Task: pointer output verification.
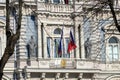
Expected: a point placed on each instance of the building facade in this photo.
(46, 24)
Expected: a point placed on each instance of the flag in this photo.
(60, 44)
(71, 44)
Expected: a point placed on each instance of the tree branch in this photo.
(110, 3)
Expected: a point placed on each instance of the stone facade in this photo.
(45, 20)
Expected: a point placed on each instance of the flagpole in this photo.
(74, 24)
(63, 51)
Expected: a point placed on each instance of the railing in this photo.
(62, 63)
(76, 64)
(55, 7)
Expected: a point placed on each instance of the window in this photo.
(53, 44)
(56, 1)
(113, 49)
(57, 31)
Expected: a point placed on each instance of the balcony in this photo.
(57, 8)
(77, 64)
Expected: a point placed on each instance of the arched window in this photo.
(57, 31)
(113, 40)
(113, 49)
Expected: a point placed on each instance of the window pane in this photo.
(110, 57)
(113, 40)
(110, 49)
(115, 57)
(66, 47)
(48, 47)
(56, 43)
(57, 31)
(56, 1)
(115, 49)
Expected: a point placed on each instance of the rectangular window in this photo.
(48, 47)
(56, 43)
(52, 47)
(116, 55)
(113, 53)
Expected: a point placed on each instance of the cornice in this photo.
(53, 14)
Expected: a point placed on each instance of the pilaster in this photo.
(82, 43)
(21, 45)
(44, 40)
(39, 41)
(77, 37)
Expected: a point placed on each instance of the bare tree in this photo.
(11, 39)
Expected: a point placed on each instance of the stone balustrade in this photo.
(74, 64)
(49, 7)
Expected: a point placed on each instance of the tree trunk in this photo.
(11, 38)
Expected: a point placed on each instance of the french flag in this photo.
(60, 45)
(71, 44)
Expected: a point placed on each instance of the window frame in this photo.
(112, 54)
(66, 39)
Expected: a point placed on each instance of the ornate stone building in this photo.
(47, 22)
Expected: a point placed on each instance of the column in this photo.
(94, 77)
(42, 40)
(39, 41)
(82, 43)
(79, 37)
(77, 41)
(22, 40)
(66, 75)
(45, 41)
(80, 76)
(28, 76)
(43, 76)
(57, 76)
